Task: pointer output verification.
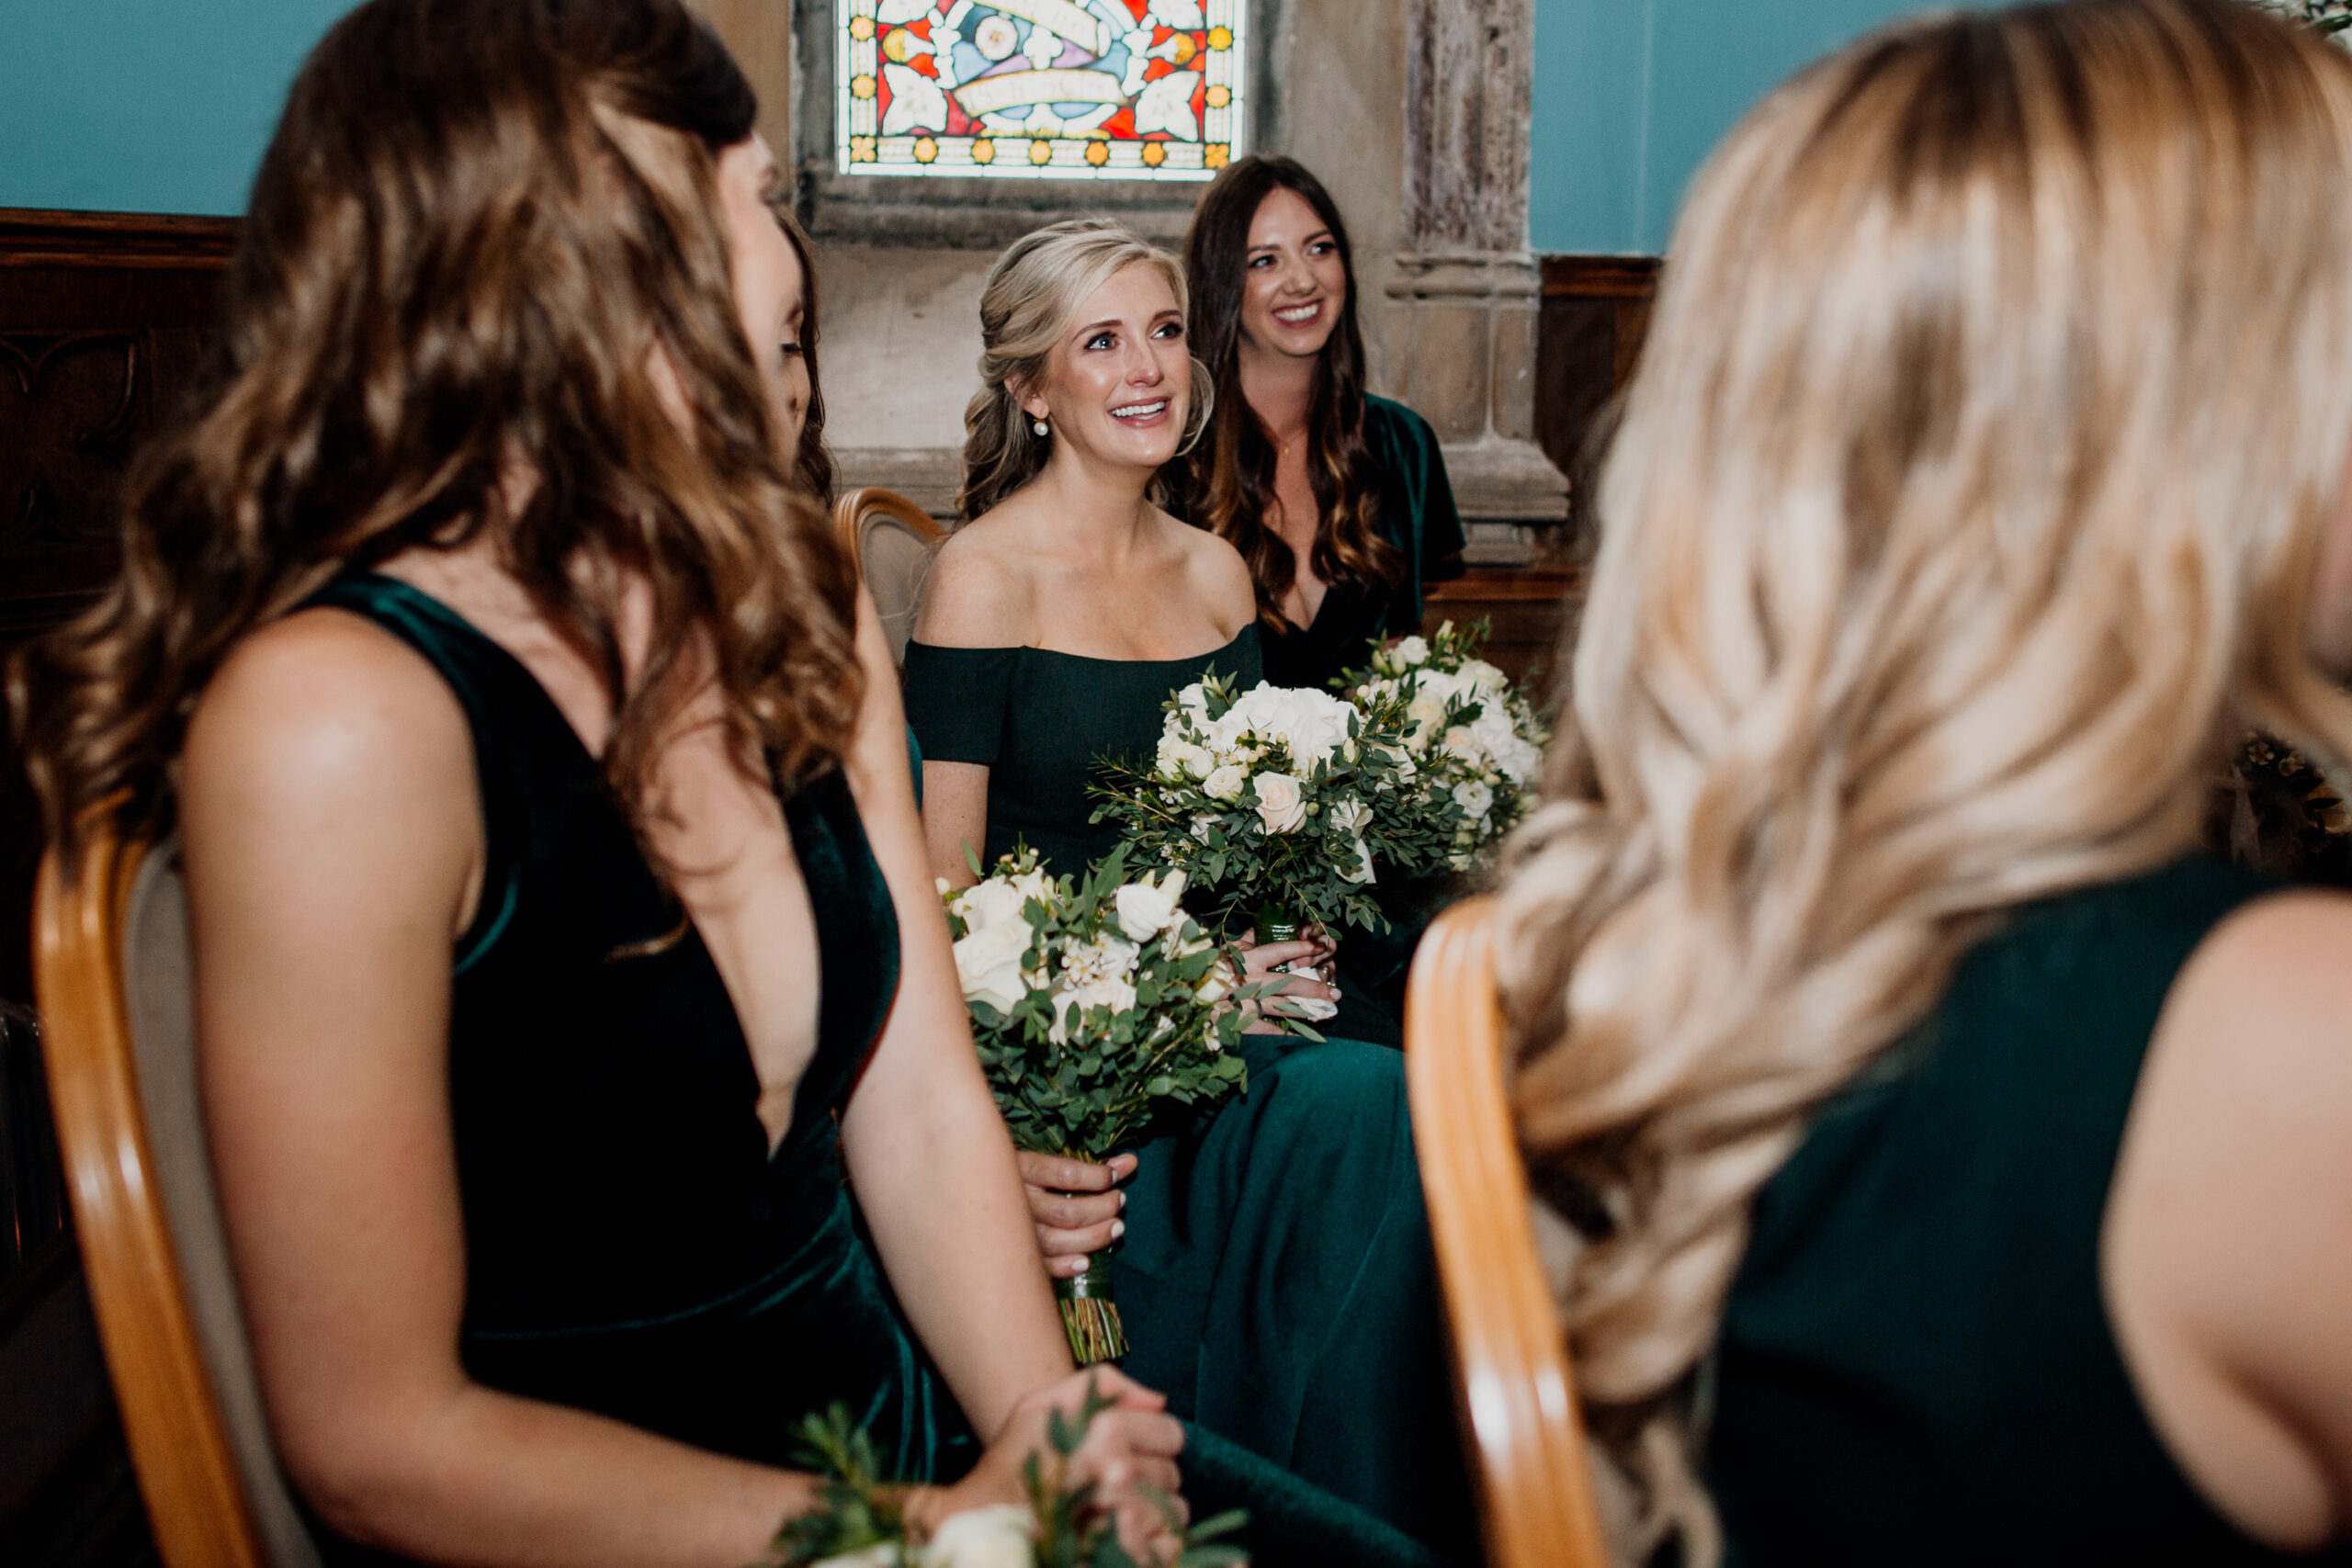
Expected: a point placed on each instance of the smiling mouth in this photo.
(1141, 411)
(1299, 315)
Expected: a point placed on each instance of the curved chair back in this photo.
(892, 541)
(112, 971)
(1535, 1498)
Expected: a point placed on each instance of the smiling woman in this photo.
(1273, 1264)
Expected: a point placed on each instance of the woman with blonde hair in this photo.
(584, 1074)
(1273, 1261)
(1955, 1164)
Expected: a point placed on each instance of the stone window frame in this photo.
(946, 213)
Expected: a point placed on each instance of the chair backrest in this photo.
(892, 541)
(112, 971)
(1535, 1484)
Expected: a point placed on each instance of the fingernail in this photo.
(1118, 1229)
(1123, 1202)
(1078, 1264)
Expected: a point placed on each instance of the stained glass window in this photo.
(1040, 89)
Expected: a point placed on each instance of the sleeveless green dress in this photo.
(632, 1246)
(1276, 1279)
(1916, 1364)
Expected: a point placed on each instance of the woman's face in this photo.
(1294, 283)
(769, 290)
(1119, 383)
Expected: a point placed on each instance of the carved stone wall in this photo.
(1413, 112)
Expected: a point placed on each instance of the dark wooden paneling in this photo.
(1526, 606)
(102, 319)
(1596, 311)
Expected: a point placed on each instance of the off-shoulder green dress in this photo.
(1276, 1279)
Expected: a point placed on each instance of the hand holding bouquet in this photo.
(1474, 739)
(1277, 802)
(1093, 1005)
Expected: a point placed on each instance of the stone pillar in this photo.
(1464, 350)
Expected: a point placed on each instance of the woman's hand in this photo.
(1075, 1206)
(1263, 965)
(1132, 1444)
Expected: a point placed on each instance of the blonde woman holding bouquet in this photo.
(1272, 1262)
(1980, 1148)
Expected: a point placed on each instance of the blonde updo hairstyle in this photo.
(1966, 506)
(1034, 293)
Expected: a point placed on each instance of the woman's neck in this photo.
(1100, 509)
(1280, 389)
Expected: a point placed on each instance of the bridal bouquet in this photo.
(1093, 1004)
(1474, 739)
(858, 1522)
(1279, 802)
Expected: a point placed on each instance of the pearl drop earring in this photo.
(1039, 425)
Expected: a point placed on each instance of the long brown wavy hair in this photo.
(1966, 510)
(812, 461)
(1231, 475)
(475, 223)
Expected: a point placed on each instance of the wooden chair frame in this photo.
(1518, 1401)
(187, 1470)
(854, 510)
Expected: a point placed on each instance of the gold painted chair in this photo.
(892, 541)
(1534, 1487)
(112, 972)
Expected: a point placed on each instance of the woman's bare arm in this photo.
(927, 1152)
(332, 841)
(2228, 1238)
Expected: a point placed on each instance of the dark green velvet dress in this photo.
(1418, 516)
(1917, 1364)
(1276, 1279)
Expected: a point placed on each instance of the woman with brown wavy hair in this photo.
(1337, 500)
(1956, 1163)
(562, 939)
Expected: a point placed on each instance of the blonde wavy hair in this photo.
(1032, 295)
(1967, 502)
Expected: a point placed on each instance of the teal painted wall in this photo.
(145, 105)
(1632, 94)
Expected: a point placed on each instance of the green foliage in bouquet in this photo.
(1099, 1003)
(1093, 1006)
(1474, 739)
(1277, 798)
(858, 1518)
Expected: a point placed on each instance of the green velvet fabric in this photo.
(1276, 1281)
(633, 1248)
(1416, 515)
(1917, 1364)
(1039, 720)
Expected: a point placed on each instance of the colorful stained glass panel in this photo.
(1040, 89)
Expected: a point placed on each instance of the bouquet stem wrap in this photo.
(1089, 1316)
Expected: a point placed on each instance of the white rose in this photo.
(1483, 677)
(990, 903)
(1224, 782)
(1145, 911)
(1203, 827)
(1281, 805)
(988, 964)
(1426, 712)
(882, 1555)
(1474, 799)
(1351, 816)
(995, 1537)
(1180, 758)
(1411, 651)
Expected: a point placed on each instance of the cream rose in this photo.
(988, 964)
(1145, 910)
(991, 903)
(1224, 782)
(994, 1537)
(1282, 805)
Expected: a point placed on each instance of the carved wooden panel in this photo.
(102, 320)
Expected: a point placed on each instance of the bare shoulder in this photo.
(1219, 575)
(978, 593)
(322, 708)
(2223, 1256)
